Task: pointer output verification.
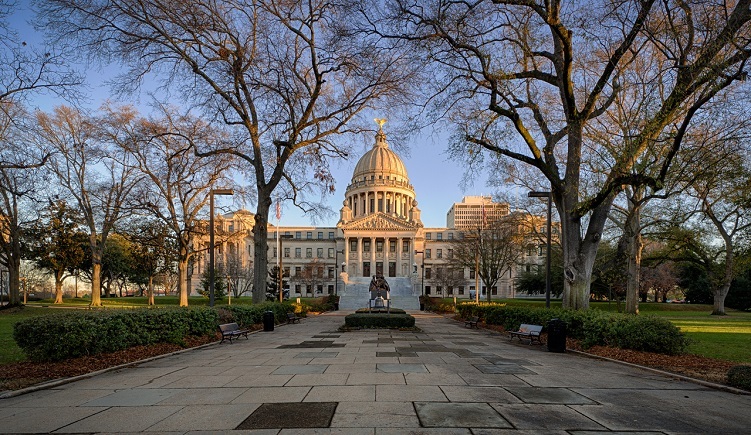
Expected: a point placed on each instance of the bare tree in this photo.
(285, 76)
(312, 275)
(491, 251)
(239, 273)
(179, 182)
(92, 171)
(523, 80)
(724, 200)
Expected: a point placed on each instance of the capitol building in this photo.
(379, 232)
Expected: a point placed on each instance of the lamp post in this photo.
(281, 268)
(548, 195)
(336, 275)
(213, 192)
(422, 274)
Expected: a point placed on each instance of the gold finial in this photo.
(380, 122)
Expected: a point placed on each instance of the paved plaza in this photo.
(309, 378)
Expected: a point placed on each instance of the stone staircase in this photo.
(356, 294)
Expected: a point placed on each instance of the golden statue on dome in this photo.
(380, 122)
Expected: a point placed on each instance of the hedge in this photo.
(591, 327)
(393, 321)
(69, 335)
(740, 377)
(247, 315)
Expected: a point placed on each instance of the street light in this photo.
(422, 275)
(549, 196)
(336, 275)
(281, 268)
(213, 192)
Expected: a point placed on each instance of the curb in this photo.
(703, 383)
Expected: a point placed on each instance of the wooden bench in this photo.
(532, 332)
(472, 322)
(232, 330)
(292, 318)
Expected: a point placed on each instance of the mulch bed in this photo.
(15, 376)
(693, 366)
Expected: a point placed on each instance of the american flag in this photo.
(278, 210)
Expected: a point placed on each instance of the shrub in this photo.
(592, 327)
(740, 377)
(392, 321)
(68, 335)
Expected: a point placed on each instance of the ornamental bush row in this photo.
(592, 327)
(365, 320)
(72, 334)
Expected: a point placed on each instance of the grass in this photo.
(9, 351)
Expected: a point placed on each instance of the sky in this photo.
(435, 178)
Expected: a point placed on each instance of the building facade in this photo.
(379, 232)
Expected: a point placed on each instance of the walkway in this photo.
(445, 380)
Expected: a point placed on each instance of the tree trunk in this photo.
(150, 290)
(260, 244)
(96, 284)
(718, 306)
(578, 261)
(14, 282)
(59, 287)
(182, 281)
(632, 232)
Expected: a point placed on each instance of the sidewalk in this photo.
(446, 379)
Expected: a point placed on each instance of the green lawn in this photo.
(9, 351)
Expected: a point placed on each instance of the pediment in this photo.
(379, 222)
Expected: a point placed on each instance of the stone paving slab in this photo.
(445, 380)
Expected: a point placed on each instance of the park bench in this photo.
(292, 318)
(472, 322)
(232, 330)
(532, 332)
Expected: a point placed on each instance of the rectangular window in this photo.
(405, 246)
(286, 252)
(319, 253)
(471, 274)
(439, 253)
(494, 290)
(286, 273)
(298, 235)
(331, 272)
(427, 236)
(451, 236)
(320, 234)
(450, 291)
(273, 255)
(379, 245)
(308, 252)
(298, 271)
(309, 235)
(427, 289)
(366, 245)
(392, 245)
(331, 289)
(353, 245)
(331, 235)
(298, 252)
(439, 236)
(438, 290)
(427, 272)
(298, 289)
(461, 290)
(451, 253)
(427, 253)
(331, 252)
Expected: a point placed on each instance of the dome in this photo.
(380, 160)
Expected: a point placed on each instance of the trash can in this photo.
(268, 321)
(556, 335)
